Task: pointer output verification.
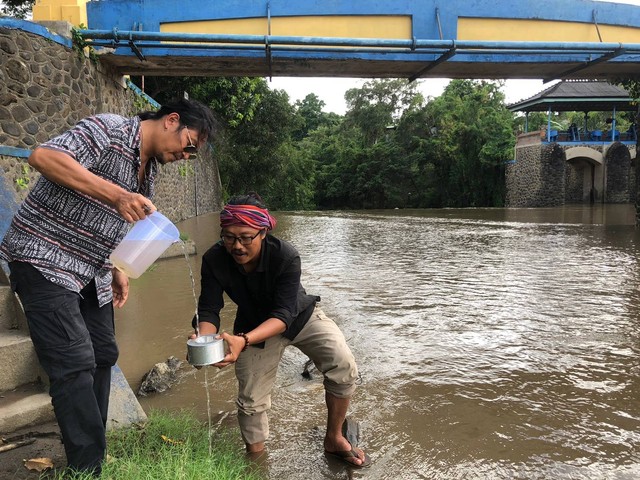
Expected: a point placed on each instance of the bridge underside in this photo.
(546, 39)
(197, 65)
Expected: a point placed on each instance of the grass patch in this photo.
(171, 446)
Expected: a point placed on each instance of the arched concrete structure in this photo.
(584, 153)
(585, 173)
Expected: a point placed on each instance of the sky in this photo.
(331, 90)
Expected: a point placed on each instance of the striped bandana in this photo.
(249, 215)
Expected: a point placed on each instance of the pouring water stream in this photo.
(206, 376)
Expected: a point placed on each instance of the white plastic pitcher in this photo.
(145, 242)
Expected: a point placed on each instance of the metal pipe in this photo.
(439, 25)
(319, 49)
(434, 64)
(595, 22)
(613, 125)
(357, 42)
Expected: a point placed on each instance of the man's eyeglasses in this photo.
(190, 149)
(230, 240)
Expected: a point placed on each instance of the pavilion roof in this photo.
(577, 96)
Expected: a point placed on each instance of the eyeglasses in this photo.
(190, 149)
(230, 240)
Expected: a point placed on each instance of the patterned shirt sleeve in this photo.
(83, 142)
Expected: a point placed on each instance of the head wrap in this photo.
(249, 215)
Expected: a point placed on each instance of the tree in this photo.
(234, 99)
(633, 87)
(16, 8)
(257, 123)
(251, 154)
(474, 138)
(311, 116)
(378, 105)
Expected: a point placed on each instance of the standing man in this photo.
(95, 179)
(261, 275)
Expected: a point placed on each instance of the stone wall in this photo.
(536, 178)
(618, 162)
(542, 177)
(523, 177)
(553, 162)
(46, 87)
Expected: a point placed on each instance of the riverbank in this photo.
(168, 446)
(47, 444)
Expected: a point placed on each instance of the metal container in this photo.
(205, 350)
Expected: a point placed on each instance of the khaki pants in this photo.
(256, 368)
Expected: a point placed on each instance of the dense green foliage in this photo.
(392, 149)
(16, 8)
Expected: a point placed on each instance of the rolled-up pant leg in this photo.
(63, 326)
(256, 371)
(324, 343)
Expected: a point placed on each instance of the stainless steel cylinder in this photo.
(205, 350)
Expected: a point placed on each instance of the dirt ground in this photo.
(47, 444)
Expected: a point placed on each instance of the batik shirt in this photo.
(66, 235)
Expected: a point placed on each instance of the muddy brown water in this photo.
(492, 343)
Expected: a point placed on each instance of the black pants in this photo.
(75, 343)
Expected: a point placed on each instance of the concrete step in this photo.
(11, 313)
(23, 406)
(8, 317)
(30, 404)
(19, 364)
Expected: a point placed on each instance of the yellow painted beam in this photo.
(348, 26)
(72, 11)
(504, 30)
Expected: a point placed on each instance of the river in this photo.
(491, 343)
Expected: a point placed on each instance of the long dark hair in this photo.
(192, 113)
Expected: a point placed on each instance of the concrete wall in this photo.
(576, 187)
(45, 88)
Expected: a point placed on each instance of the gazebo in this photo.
(580, 96)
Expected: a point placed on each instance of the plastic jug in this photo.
(143, 244)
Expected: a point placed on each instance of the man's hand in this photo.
(235, 345)
(64, 170)
(120, 287)
(133, 206)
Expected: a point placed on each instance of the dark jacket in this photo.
(272, 290)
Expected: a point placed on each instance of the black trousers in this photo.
(75, 343)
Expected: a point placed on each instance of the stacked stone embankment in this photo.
(46, 86)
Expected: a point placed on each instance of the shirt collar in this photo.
(135, 136)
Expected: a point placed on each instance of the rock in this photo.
(351, 431)
(308, 367)
(162, 376)
(124, 408)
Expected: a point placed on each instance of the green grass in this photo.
(172, 446)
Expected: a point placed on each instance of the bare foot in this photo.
(343, 450)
